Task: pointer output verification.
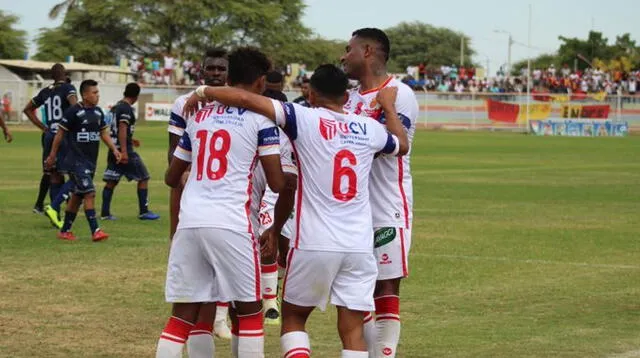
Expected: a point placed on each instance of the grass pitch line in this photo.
(629, 354)
(533, 261)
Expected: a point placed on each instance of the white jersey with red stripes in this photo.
(263, 200)
(334, 152)
(222, 144)
(391, 184)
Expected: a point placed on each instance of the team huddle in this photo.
(320, 192)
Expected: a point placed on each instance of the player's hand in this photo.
(49, 162)
(136, 142)
(116, 153)
(124, 158)
(191, 106)
(387, 97)
(268, 243)
(8, 137)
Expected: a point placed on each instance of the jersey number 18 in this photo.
(215, 154)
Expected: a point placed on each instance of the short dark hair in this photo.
(58, 72)
(246, 65)
(377, 35)
(274, 77)
(132, 90)
(305, 80)
(86, 84)
(216, 52)
(329, 81)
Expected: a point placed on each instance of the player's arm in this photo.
(179, 163)
(231, 96)
(285, 202)
(176, 129)
(105, 135)
(123, 127)
(387, 99)
(55, 146)
(29, 111)
(7, 134)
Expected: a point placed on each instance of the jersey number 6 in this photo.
(340, 171)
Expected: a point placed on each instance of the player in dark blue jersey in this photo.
(83, 125)
(55, 99)
(123, 124)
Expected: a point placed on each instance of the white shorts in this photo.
(312, 276)
(213, 265)
(391, 247)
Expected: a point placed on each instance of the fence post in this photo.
(426, 109)
(619, 109)
(473, 110)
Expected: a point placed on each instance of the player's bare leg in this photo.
(250, 329)
(107, 194)
(294, 340)
(176, 331)
(269, 272)
(350, 329)
(387, 300)
(200, 341)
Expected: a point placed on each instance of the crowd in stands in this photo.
(551, 80)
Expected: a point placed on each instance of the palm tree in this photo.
(64, 6)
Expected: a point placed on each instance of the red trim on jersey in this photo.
(405, 272)
(256, 267)
(247, 204)
(298, 199)
(377, 88)
(405, 205)
(286, 272)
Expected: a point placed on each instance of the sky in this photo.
(479, 19)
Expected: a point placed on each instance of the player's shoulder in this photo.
(178, 104)
(68, 87)
(403, 89)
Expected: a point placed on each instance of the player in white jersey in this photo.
(390, 184)
(332, 253)
(214, 73)
(214, 254)
(263, 203)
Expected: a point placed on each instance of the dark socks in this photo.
(107, 194)
(45, 183)
(63, 194)
(69, 217)
(91, 218)
(143, 203)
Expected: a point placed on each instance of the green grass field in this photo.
(522, 247)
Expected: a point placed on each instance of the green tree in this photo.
(13, 42)
(413, 43)
(93, 32)
(62, 7)
(541, 62)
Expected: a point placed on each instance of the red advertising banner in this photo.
(502, 112)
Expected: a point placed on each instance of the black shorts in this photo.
(133, 170)
(81, 174)
(47, 144)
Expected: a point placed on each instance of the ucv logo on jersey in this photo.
(330, 127)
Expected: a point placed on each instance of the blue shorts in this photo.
(81, 174)
(47, 144)
(133, 170)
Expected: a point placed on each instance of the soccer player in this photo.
(83, 125)
(214, 73)
(56, 98)
(332, 253)
(391, 186)
(214, 254)
(7, 133)
(131, 165)
(304, 99)
(275, 84)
